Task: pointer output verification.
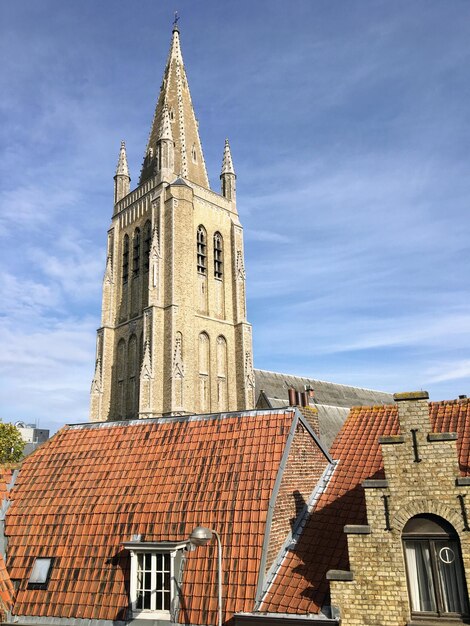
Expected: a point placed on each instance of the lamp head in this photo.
(200, 536)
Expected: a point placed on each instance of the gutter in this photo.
(280, 619)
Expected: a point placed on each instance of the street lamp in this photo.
(201, 537)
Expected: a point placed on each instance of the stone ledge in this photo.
(437, 622)
(463, 481)
(374, 483)
(442, 437)
(410, 395)
(339, 574)
(390, 439)
(356, 529)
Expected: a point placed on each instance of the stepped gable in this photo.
(93, 487)
(300, 585)
(332, 400)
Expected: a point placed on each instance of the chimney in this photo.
(413, 411)
(297, 398)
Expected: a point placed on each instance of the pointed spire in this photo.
(174, 114)
(227, 164)
(122, 179)
(227, 175)
(122, 167)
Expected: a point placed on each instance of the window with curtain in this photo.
(436, 580)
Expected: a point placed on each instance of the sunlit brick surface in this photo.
(301, 586)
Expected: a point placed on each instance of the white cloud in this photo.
(451, 370)
(46, 369)
(266, 235)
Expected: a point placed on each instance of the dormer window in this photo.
(194, 153)
(155, 578)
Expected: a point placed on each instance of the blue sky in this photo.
(350, 131)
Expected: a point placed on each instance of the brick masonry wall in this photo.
(311, 415)
(304, 468)
(378, 595)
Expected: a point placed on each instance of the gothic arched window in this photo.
(121, 378)
(133, 380)
(218, 256)
(204, 373)
(222, 396)
(201, 250)
(125, 259)
(147, 245)
(436, 581)
(136, 256)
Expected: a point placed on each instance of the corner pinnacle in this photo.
(227, 164)
(122, 167)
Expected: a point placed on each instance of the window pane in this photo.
(418, 561)
(40, 571)
(143, 581)
(450, 577)
(153, 588)
(166, 601)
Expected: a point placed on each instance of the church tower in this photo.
(174, 338)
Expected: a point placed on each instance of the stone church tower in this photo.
(174, 338)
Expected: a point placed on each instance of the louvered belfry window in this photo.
(147, 245)
(125, 260)
(218, 258)
(201, 250)
(136, 257)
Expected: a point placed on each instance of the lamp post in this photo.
(201, 536)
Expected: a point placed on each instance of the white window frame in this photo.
(165, 547)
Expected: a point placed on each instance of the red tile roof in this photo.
(92, 487)
(6, 587)
(300, 586)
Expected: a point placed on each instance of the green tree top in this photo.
(11, 444)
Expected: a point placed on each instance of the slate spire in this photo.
(181, 124)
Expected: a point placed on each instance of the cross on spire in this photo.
(175, 21)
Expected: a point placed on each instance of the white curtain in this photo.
(418, 561)
(451, 577)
